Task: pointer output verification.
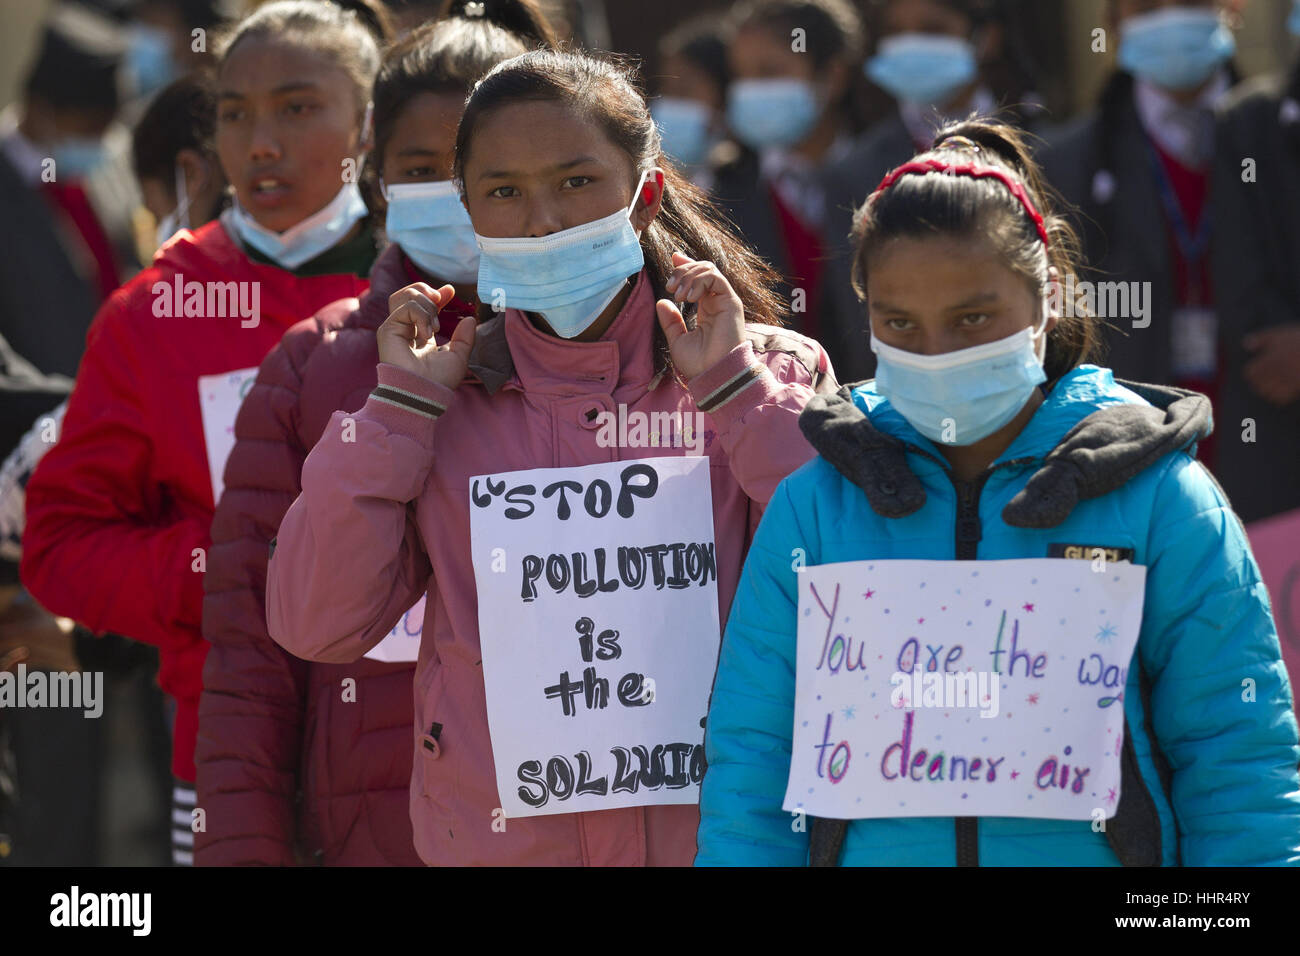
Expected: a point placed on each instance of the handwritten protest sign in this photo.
(598, 623)
(403, 641)
(1276, 544)
(219, 399)
(962, 688)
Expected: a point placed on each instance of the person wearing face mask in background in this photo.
(789, 107)
(689, 110)
(73, 254)
(271, 724)
(118, 512)
(1254, 254)
(176, 161)
(64, 256)
(939, 61)
(1138, 170)
(174, 134)
(584, 231)
(162, 45)
(988, 435)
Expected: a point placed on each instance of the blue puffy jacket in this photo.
(1208, 778)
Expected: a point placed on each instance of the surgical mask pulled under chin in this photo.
(303, 242)
(958, 398)
(430, 223)
(568, 277)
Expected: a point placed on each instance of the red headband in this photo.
(968, 169)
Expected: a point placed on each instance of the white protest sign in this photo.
(219, 399)
(598, 624)
(403, 641)
(962, 688)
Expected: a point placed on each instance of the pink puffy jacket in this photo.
(371, 532)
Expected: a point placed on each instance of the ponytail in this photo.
(523, 18)
(969, 207)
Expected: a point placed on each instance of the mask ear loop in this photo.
(636, 193)
(183, 201)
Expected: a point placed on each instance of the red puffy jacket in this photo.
(271, 723)
(118, 511)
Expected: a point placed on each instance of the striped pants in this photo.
(182, 823)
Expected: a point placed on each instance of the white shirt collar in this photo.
(796, 178)
(19, 150)
(1172, 125)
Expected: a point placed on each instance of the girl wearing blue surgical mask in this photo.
(610, 291)
(938, 61)
(176, 165)
(987, 435)
(793, 65)
(1138, 168)
(325, 363)
(137, 470)
(693, 79)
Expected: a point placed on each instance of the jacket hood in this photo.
(1090, 436)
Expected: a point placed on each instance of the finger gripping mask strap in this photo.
(975, 171)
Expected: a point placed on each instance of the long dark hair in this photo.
(607, 93)
(985, 210)
(450, 54)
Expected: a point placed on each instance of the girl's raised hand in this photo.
(719, 316)
(406, 339)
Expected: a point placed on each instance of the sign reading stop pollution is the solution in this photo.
(962, 688)
(598, 624)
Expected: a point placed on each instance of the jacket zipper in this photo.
(968, 534)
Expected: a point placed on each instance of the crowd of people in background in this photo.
(326, 153)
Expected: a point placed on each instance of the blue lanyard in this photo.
(1192, 247)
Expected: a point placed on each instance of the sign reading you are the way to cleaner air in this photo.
(598, 622)
(962, 688)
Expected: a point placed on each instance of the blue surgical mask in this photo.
(77, 157)
(1176, 48)
(430, 223)
(778, 112)
(568, 277)
(1293, 21)
(686, 127)
(923, 68)
(958, 398)
(305, 241)
(149, 59)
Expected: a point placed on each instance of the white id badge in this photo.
(1194, 341)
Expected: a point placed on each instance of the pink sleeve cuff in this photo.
(734, 385)
(406, 403)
